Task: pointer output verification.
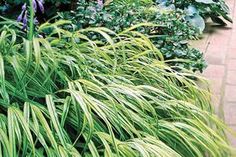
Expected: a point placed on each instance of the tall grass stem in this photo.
(31, 25)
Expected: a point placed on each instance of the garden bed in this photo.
(113, 78)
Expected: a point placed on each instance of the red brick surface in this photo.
(215, 57)
(231, 64)
(215, 74)
(233, 41)
(216, 85)
(232, 53)
(230, 94)
(214, 71)
(231, 77)
(230, 113)
(220, 53)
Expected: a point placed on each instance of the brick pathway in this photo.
(219, 47)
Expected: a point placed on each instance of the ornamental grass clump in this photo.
(68, 95)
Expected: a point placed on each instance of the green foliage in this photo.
(74, 90)
(183, 20)
(170, 35)
(23, 1)
(74, 96)
(207, 8)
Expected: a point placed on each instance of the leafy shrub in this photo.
(196, 10)
(170, 35)
(73, 96)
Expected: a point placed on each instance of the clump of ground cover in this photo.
(171, 34)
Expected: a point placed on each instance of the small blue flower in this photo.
(23, 16)
(23, 7)
(24, 20)
(19, 18)
(40, 5)
(37, 5)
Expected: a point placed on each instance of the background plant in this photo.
(198, 10)
(171, 38)
(183, 20)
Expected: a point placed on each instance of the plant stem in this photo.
(31, 26)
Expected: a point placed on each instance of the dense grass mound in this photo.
(66, 95)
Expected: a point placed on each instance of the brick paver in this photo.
(214, 71)
(231, 64)
(219, 47)
(229, 113)
(231, 77)
(230, 94)
(232, 52)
